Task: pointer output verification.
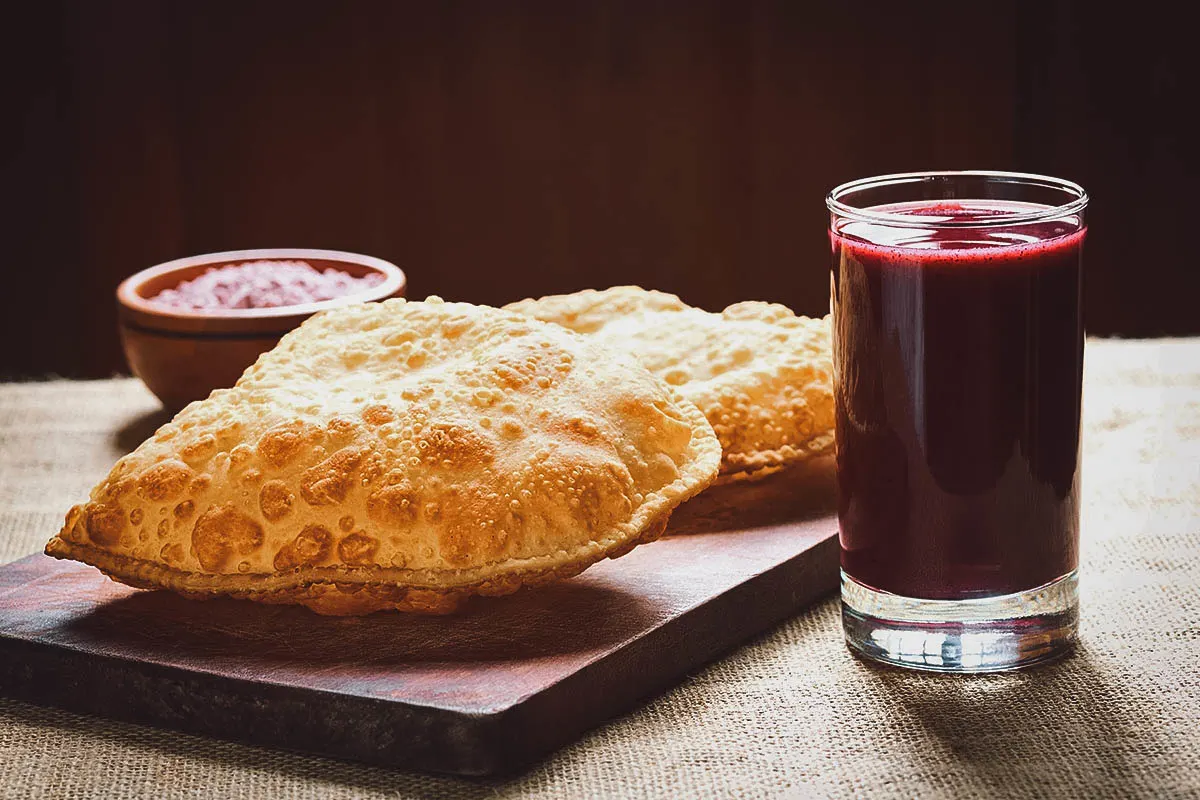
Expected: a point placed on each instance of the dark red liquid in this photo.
(958, 361)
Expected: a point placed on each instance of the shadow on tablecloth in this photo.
(1071, 719)
(139, 429)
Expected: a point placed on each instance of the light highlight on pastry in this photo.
(761, 375)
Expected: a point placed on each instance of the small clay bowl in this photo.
(182, 355)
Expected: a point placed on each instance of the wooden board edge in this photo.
(690, 642)
(455, 743)
(314, 721)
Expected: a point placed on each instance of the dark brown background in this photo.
(498, 150)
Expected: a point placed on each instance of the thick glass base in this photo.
(988, 634)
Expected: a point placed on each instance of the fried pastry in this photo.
(400, 455)
(761, 375)
(591, 310)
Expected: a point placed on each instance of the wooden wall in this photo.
(502, 149)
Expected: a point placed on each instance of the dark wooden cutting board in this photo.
(481, 693)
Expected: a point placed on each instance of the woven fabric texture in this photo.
(791, 714)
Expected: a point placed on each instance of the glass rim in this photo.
(1076, 205)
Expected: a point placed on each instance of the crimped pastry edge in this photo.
(297, 587)
(762, 463)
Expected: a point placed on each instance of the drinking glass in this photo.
(958, 367)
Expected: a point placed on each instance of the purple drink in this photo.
(958, 362)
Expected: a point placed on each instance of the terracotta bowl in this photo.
(183, 355)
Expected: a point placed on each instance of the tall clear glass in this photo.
(958, 367)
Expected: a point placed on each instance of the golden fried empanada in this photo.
(400, 455)
(761, 375)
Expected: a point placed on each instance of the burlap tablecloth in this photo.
(790, 714)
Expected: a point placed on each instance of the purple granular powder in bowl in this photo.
(263, 284)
